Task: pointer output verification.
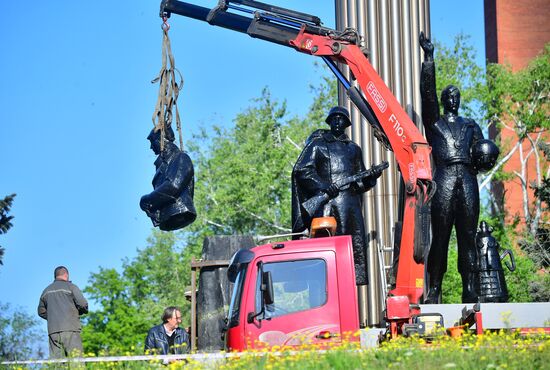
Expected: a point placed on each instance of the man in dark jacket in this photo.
(61, 303)
(168, 338)
(330, 156)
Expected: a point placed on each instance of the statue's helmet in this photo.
(484, 155)
(338, 110)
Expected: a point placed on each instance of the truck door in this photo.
(305, 306)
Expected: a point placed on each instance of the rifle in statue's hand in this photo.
(314, 203)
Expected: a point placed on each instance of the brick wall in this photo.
(515, 32)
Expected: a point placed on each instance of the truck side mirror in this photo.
(267, 288)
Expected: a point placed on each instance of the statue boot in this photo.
(434, 294)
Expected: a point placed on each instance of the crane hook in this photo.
(165, 26)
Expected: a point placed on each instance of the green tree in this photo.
(537, 246)
(115, 327)
(520, 102)
(5, 219)
(244, 172)
(131, 302)
(455, 65)
(19, 333)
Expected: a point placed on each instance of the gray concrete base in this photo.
(370, 336)
(497, 315)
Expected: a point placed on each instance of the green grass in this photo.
(498, 350)
(490, 351)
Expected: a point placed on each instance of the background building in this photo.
(515, 32)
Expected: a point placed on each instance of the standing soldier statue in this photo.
(331, 169)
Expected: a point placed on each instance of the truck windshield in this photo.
(297, 286)
(235, 304)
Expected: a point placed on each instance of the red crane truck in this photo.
(294, 292)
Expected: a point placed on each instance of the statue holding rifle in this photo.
(328, 179)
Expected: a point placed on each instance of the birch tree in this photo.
(519, 102)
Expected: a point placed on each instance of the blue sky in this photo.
(75, 108)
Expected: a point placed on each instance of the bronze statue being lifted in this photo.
(170, 204)
(459, 152)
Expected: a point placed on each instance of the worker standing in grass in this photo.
(61, 304)
(168, 338)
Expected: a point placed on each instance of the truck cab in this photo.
(291, 293)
